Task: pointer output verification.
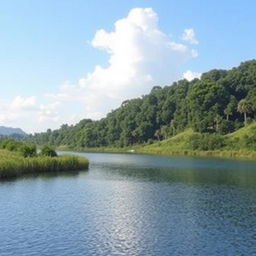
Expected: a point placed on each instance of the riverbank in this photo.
(146, 149)
(239, 144)
(248, 155)
(13, 165)
(234, 146)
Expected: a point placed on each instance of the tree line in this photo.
(220, 102)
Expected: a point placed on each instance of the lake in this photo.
(128, 204)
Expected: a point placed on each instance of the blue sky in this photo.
(47, 52)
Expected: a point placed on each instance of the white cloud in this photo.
(7, 117)
(48, 113)
(12, 110)
(67, 92)
(190, 75)
(27, 114)
(20, 103)
(189, 36)
(140, 56)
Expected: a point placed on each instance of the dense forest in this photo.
(220, 102)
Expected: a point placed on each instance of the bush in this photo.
(12, 146)
(48, 151)
(226, 127)
(28, 150)
(194, 141)
(249, 141)
(150, 141)
(214, 141)
(206, 141)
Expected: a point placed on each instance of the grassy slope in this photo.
(179, 145)
(249, 129)
(12, 164)
(176, 145)
(178, 142)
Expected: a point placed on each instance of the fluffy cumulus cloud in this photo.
(48, 112)
(189, 36)
(140, 56)
(28, 113)
(190, 75)
(11, 110)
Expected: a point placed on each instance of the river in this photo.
(128, 204)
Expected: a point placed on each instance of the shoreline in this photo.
(230, 154)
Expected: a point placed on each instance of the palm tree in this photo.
(244, 107)
(231, 107)
(164, 131)
(158, 134)
(227, 112)
(173, 126)
(217, 121)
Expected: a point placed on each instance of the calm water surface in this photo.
(133, 205)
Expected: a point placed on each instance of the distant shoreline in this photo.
(234, 154)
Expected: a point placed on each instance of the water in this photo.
(133, 205)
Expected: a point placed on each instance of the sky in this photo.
(65, 60)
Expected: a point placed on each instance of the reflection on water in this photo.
(42, 175)
(177, 169)
(133, 205)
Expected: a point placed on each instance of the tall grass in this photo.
(13, 165)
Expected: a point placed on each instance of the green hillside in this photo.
(177, 142)
(248, 130)
(206, 114)
(241, 143)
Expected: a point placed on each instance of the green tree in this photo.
(28, 150)
(244, 107)
(48, 151)
(231, 107)
(166, 111)
(217, 120)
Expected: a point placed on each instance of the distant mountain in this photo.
(7, 131)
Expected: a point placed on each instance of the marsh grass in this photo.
(13, 165)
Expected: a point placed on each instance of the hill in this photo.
(7, 131)
(241, 143)
(206, 110)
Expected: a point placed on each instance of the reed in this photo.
(13, 165)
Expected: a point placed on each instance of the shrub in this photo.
(249, 141)
(48, 151)
(214, 141)
(206, 141)
(226, 127)
(150, 141)
(28, 150)
(194, 141)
